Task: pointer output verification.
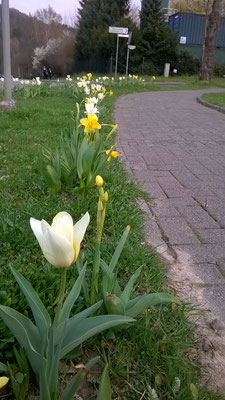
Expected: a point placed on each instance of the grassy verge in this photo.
(215, 98)
(153, 352)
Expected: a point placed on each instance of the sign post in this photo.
(129, 47)
(121, 32)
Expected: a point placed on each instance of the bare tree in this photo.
(190, 6)
(212, 23)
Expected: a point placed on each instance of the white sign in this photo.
(126, 36)
(183, 40)
(119, 30)
(131, 47)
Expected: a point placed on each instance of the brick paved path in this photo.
(175, 148)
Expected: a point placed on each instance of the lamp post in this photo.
(8, 102)
(129, 47)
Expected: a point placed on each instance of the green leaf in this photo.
(78, 333)
(3, 367)
(119, 248)
(75, 382)
(149, 300)
(72, 296)
(65, 325)
(52, 178)
(26, 333)
(125, 296)
(41, 315)
(105, 392)
(194, 391)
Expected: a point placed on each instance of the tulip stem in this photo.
(61, 295)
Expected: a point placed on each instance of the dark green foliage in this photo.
(187, 64)
(159, 43)
(219, 70)
(95, 16)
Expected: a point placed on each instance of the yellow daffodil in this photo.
(3, 381)
(113, 154)
(154, 78)
(99, 181)
(90, 123)
(87, 100)
(60, 241)
(84, 77)
(94, 91)
(89, 75)
(111, 93)
(103, 90)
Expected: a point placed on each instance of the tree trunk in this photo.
(212, 23)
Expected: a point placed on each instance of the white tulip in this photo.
(101, 96)
(60, 242)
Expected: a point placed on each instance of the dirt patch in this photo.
(209, 330)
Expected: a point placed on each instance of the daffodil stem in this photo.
(95, 273)
(61, 295)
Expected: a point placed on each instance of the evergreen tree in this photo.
(96, 16)
(159, 43)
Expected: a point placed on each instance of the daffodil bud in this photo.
(100, 206)
(99, 181)
(106, 197)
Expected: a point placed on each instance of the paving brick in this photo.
(212, 236)
(208, 274)
(198, 218)
(177, 230)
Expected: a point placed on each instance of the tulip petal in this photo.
(79, 230)
(3, 381)
(63, 224)
(37, 229)
(57, 250)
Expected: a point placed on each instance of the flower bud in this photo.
(106, 197)
(100, 206)
(99, 181)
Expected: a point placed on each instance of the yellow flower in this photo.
(33, 79)
(89, 75)
(84, 77)
(99, 181)
(60, 242)
(154, 78)
(111, 93)
(114, 154)
(103, 90)
(87, 100)
(113, 126)
(90, 123)
(3, 381)
(94, 91)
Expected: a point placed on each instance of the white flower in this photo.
(90, 108)
(93, 100)
(68, 76)
(99, 88)
(93, 86)
(101, 96)
(112, 79)
(60, 242)
(87, 90)
(96, 79)
(120, 78)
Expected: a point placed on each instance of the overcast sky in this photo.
(67, 8)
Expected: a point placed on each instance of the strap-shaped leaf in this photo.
(3, 367)
(41, 315)
(119, 248)
(125, 296)
(105, 391)
(62, 328)
(72, 296)
(26, 333)
(78, 333)
(85, 288)
(149, 300)
(75, 382)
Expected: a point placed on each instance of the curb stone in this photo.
(210, 105)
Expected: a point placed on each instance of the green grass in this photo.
(215, 98)
(158, 348)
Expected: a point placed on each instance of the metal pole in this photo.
(6, 51)
(111, 65)
(117, 50)
(128, 52)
